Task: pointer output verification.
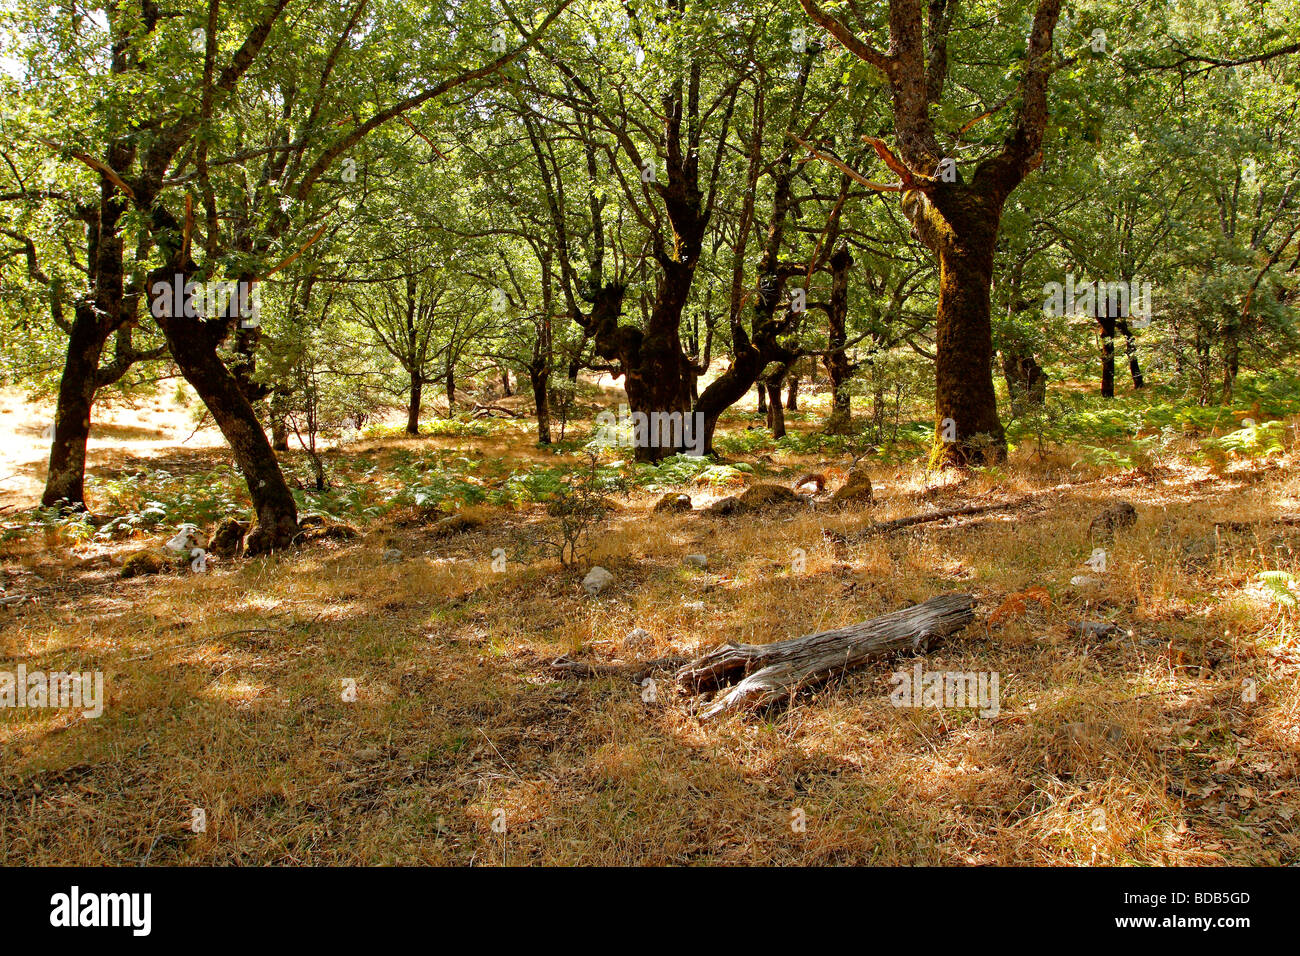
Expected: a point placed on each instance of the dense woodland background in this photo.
(838, 234)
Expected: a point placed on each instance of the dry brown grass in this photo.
(225, 693)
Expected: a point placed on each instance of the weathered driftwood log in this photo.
(768, 672)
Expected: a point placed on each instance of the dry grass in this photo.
(225, 693)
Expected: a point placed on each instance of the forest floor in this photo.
(464, 745)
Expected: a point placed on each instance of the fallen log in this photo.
(768, 672)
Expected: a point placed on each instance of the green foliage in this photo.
(1281, 587)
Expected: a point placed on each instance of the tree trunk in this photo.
(1026, 380)
(537, 378)
(765, 673)
(450, 379)
(280, 421)
(1107, 357)
(966, 403)
(1130, 347)
(65, 478)
(413, 406)
(762, 398)
(836, 359)
(193, 345)
(506, 390)
(1231, 365)
(792, 395)
(775, 413)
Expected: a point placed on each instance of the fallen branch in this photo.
(768, 672)
(884, 527)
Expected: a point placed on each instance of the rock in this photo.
(458, 523)
(699, 560)
(187, 539)
(143, 562)
(693, 606)
(817, 481)
(1083, 581)
(724, 506)
(1119, 515)
(228, 538)
(856, 490)
(636, 639)
(673, 501)
(597, 580)
(763, 497)
(392, 556)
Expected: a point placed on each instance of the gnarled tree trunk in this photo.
(764, 673)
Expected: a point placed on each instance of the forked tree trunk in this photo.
(759, 674)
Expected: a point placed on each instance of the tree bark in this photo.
(966, 403)
(1107, 356)
(1130, 347)
(279, 421)
(765, 673)
(66, 475)
(413, 405)
(836, 359)
(1026, 380)
(537, 378)
(193, 343)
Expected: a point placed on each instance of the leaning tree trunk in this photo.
(413, 406)
(193, 346)
(765, 673)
